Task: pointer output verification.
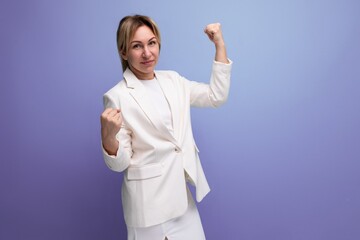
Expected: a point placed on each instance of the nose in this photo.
(146, 52)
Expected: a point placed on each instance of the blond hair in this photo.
(126, 30)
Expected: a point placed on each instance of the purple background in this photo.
(282, 156)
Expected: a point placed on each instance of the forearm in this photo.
(118, 160)
(220, 52)
(111, 146)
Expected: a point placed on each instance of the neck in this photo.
(143, 76)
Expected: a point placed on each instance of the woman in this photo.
(146, 132)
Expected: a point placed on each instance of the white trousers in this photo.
(185, 227)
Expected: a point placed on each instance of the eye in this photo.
(152, 43)
(136, 46)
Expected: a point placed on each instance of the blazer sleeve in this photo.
(216, 92)
(121, 161)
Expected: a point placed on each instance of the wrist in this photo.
(111, 146)
(220, 44)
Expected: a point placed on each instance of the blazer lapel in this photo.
(170, 95)
(138, 92)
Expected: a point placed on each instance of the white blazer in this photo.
(157, 163)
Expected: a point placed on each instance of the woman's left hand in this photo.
(213, 31)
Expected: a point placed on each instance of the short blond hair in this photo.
(126, 30)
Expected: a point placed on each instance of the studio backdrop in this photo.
(282, 156)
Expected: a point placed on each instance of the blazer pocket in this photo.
(144, 172)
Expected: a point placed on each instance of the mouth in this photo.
(147, 62)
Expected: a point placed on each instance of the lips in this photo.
(147, 62)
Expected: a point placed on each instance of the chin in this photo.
(148, 70)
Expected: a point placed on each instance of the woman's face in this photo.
(143, 53)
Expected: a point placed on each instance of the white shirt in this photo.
(157, 97)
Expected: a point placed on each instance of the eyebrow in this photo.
(141, 42)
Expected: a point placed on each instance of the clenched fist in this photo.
(111, 121)
(213, 31)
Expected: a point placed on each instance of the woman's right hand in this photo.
(111, 121)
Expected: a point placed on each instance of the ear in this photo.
(124, 56)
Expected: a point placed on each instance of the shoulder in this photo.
(112, 97)
(170, 77)
(115, 90)
(167, 73)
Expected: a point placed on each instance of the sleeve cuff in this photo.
(221, 63)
